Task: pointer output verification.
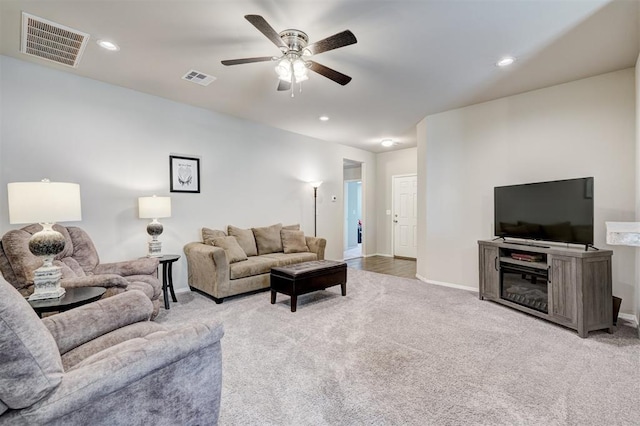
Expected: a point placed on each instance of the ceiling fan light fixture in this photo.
(283, 69)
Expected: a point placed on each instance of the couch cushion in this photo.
(245, 239)
(295, 227)
(268, 239)
(30, 365)
(231, 247)
(282, 259)
(293, 241)
(254, 265)
(209, 234)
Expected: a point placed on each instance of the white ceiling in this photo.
(413, 58)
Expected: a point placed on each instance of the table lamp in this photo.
(45, 203)
(154, 208)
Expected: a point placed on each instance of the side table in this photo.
(72, 298)
(167, 262)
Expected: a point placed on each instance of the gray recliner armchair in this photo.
(105, 363)
(80, 265)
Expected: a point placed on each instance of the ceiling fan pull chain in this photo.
(293, 78)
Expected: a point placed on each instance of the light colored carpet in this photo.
(399, 351)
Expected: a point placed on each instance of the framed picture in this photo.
(184, 174)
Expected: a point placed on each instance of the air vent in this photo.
(198, 77)
(51, 41)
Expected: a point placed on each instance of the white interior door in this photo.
(405, 212)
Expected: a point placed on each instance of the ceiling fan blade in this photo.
(335, 41)
(284, 85)
(331, 74)
(263, 26)
(247, 60)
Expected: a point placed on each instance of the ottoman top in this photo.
(308, 267)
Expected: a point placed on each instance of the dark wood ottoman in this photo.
(307, 277)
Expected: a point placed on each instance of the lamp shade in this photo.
(154, 207)
(316, 184)
(44, 202)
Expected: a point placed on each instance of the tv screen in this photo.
(558, 211)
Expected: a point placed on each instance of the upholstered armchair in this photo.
(80, 264)
(105, 363)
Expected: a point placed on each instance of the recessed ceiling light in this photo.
(323, 118)
(506, 61)
(109, 45)
(387, 143)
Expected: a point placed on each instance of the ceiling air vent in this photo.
(198, 77)
(51, 41)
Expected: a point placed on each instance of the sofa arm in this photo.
(317, 246)
(163, 378)
(208, 268)
(142, 266)
(78, 326)
(104, 280)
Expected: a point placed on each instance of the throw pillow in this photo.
(245, 239)
(268, 239)
(295, 227)
(209, 234)
(293, 241)
(231, 247)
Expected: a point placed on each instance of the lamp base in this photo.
(46, 282)
(155, 249)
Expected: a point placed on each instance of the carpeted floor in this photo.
(397, 351)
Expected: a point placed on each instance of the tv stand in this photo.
(526, 244)
(564, 285)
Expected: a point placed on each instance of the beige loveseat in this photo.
(240, 260)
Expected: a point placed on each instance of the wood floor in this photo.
(405, 268)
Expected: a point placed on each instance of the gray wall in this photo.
(577, 129)
(116, 143)
(389, 164)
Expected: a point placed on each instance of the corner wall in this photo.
(389, 164)
(577, 129)
(116, 142)
(637, 117)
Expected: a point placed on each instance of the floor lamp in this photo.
(45, 203)
(315, 186)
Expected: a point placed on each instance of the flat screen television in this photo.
(557, 211)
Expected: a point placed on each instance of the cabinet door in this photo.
(489, 276)
(562, 289)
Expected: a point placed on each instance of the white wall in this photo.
(582, 128)
(401, 162)
(116, 143)
(637, 91)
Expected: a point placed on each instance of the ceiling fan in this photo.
(294, 63)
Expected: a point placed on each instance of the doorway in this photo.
(352, 176)
(405, 215)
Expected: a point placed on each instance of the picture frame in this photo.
(184, 174)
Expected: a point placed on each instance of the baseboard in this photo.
(631, 318)
(378, 254)
(368, 255)
(182, 290)
(445, 284)
(627, 317)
